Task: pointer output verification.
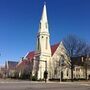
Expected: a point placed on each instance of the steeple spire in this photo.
(44, 14)
(44, 22)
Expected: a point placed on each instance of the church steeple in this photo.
(43, 49)
(44, 14)
(44, 22)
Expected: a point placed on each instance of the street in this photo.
(27, 85)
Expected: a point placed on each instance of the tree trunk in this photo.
(86, 71)
(72, 70)
(71, 74)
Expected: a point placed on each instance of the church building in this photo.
(45, 56)
(52, 59)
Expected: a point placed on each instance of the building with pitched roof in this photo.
(25, 66)
(10, 67)
(52, 59)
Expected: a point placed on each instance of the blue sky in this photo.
(19, 21)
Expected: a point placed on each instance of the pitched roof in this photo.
(30, 55)
(54, 47)
(78, 60)
(11, 64)
(23, 63)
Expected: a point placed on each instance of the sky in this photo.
(19, 24)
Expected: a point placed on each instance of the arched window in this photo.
(46, 42)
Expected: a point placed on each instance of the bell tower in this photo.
(43, 49)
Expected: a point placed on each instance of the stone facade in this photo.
(60, 63)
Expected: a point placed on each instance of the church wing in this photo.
(59, 57)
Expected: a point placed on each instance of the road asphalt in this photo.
(29, 85)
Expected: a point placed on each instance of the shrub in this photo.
(34, 78)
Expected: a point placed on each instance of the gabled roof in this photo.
(11, 64)
(79, 61)
(24, 62)
(30, 55)
(54, 48)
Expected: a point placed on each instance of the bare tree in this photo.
(75, 47)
